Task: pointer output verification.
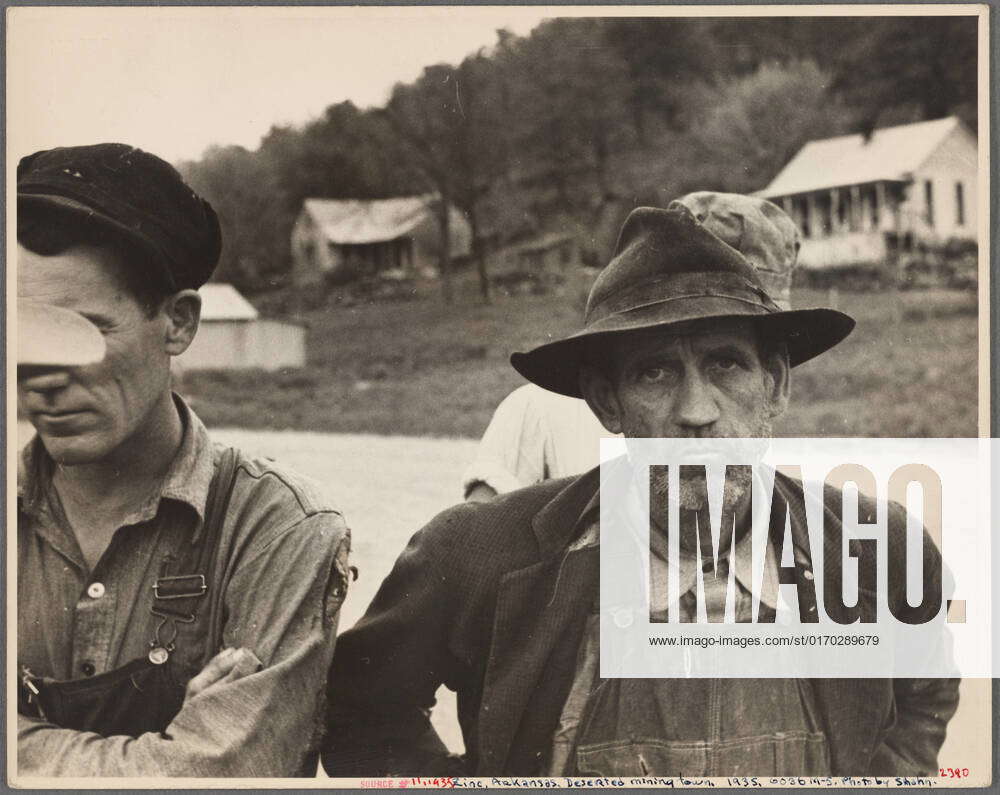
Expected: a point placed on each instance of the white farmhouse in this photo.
(861, 200)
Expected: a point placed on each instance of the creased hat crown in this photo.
(667, 255)
(760, 230)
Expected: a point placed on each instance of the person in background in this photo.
(534, 435)
(177, 601)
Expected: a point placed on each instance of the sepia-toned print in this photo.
(321, 318)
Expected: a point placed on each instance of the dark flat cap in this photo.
(133, 193)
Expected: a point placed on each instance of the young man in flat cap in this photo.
(177, 601)
(498, 600)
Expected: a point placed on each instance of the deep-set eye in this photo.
(652, 375)
(726, 363)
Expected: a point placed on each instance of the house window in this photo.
(959, 204)
(929, 197)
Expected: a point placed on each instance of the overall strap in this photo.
(183, 583)
(215, 516)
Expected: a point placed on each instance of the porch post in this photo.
(880, 204)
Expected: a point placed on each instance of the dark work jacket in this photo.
(486, 600)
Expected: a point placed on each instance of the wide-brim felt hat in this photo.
(669, 269)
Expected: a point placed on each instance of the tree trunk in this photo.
(479, 256)
(444, 257)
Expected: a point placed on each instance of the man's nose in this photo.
(33, 380)
(695, 406)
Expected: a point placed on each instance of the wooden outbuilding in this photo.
(342, 240)
(233, 336)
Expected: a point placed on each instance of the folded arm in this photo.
(282, 604)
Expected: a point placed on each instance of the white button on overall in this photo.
(95, 590)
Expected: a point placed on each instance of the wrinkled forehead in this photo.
(66, 277)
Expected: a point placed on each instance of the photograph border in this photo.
(989, 316)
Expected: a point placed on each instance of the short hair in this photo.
(50, 231)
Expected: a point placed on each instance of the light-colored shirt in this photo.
(282, 562)
(536, 435)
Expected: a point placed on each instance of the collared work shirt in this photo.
(282, 565)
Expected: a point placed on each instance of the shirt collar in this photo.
(748, 548)
(187, 479)
(741, 563)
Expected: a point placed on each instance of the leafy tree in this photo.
(758, 122)
(664, 57)
(572, 100)
(242, 189)
(451, 120)
(925, 63)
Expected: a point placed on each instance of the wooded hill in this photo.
(568, 128)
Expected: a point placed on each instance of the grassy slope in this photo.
(424, 368)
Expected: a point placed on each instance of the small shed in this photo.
(862, 199)
(342, 240)
(232, 335)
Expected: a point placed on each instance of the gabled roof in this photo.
(354, 221)
(891, 153)
(222, 302)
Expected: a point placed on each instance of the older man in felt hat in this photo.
(497, 600)
(177, 601)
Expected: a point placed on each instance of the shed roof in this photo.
(223, 302)
(356, 221)
(891, 154)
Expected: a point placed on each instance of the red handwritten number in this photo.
(953, 772)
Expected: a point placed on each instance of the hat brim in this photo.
(51, 336)
(807, 333)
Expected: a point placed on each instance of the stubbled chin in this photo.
(693, 491)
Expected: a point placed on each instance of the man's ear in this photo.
(601, 396)
(182, 311)
(779, 373)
